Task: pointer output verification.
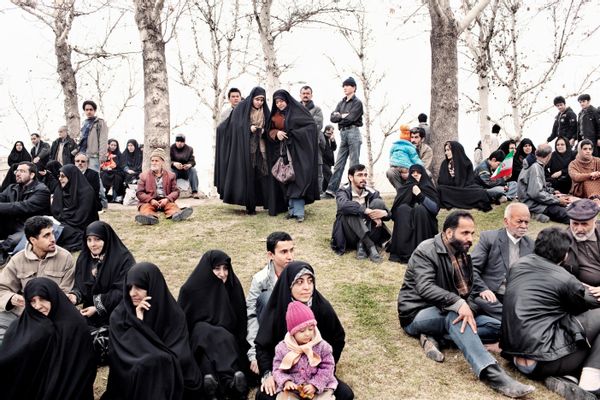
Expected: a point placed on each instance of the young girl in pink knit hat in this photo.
(303, 366)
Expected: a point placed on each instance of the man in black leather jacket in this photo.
(551, 321)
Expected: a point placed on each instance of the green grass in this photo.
(379, 361)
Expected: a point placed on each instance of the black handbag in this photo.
(283, 169)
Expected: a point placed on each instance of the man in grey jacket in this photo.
(93, 141)
(495, 254)
(544, 203)
(280, 250)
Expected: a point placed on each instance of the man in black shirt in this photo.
(348, 116)
(565, 122)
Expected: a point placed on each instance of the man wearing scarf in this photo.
(436, 299)
(93, 140)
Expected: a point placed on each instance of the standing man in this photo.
(565, 122)
(64, 148)
(493, 256)
(417, 138)
(348, 115)
(435, 301)
(183, 163)
(234, 96)
(306, 100)
(40, 152)
(422, 118)
(588, 126)
(328, 157)
(93, 141)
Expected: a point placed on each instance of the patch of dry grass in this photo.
(380, 361)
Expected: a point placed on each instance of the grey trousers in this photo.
(6, 318)
(393, 175)
(356, 228)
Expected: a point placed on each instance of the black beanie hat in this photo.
(349, 82)
(496, 128)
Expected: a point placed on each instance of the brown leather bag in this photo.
(283, 169)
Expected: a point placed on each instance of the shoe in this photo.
(322, 195)
(496, 378)
(183, 214)
(329, 194)
(361, 253)
(146, 219)
(543, 218)
(210, 386)
(118, 199)
(250, 212)
(431, 348)
(239, 385)
(300, 219)
(567, 389)
(195, 195)
(290, 216)
(374, 255)
(502, 199)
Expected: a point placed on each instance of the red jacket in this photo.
(146, 189)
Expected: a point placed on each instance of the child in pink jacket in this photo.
(303, 366)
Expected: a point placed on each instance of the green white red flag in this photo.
(505, 168)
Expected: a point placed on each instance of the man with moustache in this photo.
(436, 301)
(93, 177)
(493, 256)
(583, 259)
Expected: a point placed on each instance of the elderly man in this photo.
(359, 218)
(493, 256)
(93, 177)
(18, 202)
(435, 302)
(550, 322)
(157, 191)
(532, 190)
(583, 259)
(64, 148)
(41, 258)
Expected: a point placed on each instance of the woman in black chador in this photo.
(525, 154)
(456, 181)
(47, 353)
(215, 308)
(100, 273)
(241, 171)
(17, 155)
(150, 356)
(414, 212)
(132, 161)
(292, 127)
(557, 170)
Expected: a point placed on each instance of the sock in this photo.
(590, 379)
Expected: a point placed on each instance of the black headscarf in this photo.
(204, 296)
(234, 174)
(149, 358)
(15, 157)
(111, 270)
(133, 160)
(47, 357)
(74, 204)
(273, 324)
(520, 156)
(405, 195)
(118, 156)
(505, 146)
(463, 168)
(303, 145)
(560, 161)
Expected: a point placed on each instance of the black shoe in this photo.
(146, 219)
(250, 211)
(210, 386)
(290, 216)
(239, 385)
(496, 378)
(374, 255)
(183, 214)
(567, 389)
(361, 253)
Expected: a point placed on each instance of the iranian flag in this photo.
(504, 169)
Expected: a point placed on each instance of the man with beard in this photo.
(314, 110)
(359, 218)
(583, 259)
(436, 301)
(18, 202)
(93, 177)
(493, 256)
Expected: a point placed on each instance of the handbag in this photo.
(283, 169)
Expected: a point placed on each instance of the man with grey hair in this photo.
(544, 203)
(583, 259)
(495, 254)
(64, 148)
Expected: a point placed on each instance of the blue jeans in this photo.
(431, 321)
(296, 207)
(190, 175)
(94, 164)
(349, 146)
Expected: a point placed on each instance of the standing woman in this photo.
(73, 205)
(241, 160)
(414, 212)
(112, 173)
(293, 127)
(47, 353)
(215, 309)
(557, 170)
(296, 282)
(132, 162)
(17, 155)
(100, 273)
(150, 356)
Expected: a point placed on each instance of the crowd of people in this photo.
(534, 301)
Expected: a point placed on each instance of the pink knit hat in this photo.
(298, 317)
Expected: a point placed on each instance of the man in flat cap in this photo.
(348, 115)
(157, 191)
(584, 253)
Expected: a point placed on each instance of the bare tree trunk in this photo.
(157, 122)
(262, 13)
(484, 113)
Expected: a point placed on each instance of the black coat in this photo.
(68, 153)
(93, 179)
(43, 154)
(588, 125)
(21, 203)
(565, 125)
(539, 309)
